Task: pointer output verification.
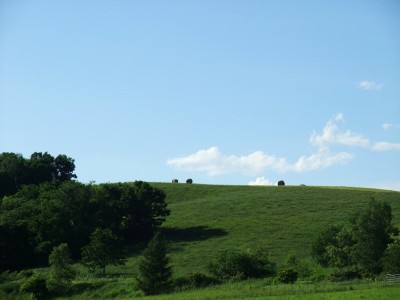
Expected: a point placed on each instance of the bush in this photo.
(36, 285)
(189, 181)
(281, 183)
(288, 275)
(195, 280)
(391, 258)
(346, 274)
(239, 265)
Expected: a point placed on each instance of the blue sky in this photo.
(224, 92)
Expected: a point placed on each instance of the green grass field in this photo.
(207, 219)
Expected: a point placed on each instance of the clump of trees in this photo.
(363, 246)
(16, 171)
(241, 265)
(54, 209)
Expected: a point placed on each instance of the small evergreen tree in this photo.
(155, 272)
(103, 250)
(61, 272)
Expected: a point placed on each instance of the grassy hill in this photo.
(206, 219)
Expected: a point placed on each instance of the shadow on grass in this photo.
(192, 234)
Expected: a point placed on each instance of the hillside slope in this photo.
(206, 219)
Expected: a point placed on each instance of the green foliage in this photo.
(16, 171)
(360, 244)
(61, 272)
(239, 265)
(391, 258)
(155, 272)
(36, 286)
(341, 252)
(103, 250)
(195, 280)
(40, 217)
(134, 211)
(288, 275)
(301, 267)
(372, 231)
(326, 238)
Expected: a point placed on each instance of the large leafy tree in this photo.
(372, 231)
(134, 211)
(155, 272)
(16, 171)
(360, 244)
(13, 173)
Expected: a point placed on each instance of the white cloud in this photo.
(321, 159)
(385, 146)
(261, 181)
(332, 134)
(387, 126)
(212, 162)
(370, 85)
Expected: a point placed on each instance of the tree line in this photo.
(16, 171)
(53, 209)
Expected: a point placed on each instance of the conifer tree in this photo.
(61, 272)
(155, 272)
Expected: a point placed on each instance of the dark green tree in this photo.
(104, 249)
(13, 173)
(155, 272)
(64, 168)
(372, 232)
(133, 211)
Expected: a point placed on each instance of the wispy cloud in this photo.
(331, 134)
(212, 162)
(385, 146)
(261, 181)
(370, 85)
(387, 126)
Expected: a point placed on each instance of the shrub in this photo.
(391, 258)
(345, 274)
(36, 285)
(195, 280)
(281, 183)
(189, 181)
(239, 265)
(288, 275)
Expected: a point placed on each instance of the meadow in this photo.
(208, 219)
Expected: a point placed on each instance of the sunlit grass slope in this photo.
(206, 219)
